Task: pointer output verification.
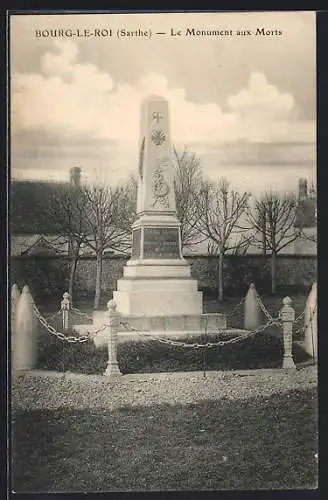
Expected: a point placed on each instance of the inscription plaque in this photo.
(161, 243)
(136, 243)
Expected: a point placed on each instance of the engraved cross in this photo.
(157, 116)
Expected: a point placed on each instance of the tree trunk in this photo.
(264, 250)
(273, 272)
(220, 294)
(74, 261)
(98, 281)
(264, 241)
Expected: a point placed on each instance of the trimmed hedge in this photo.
(259, 351)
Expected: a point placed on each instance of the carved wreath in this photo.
(158, 137)
(160, 188)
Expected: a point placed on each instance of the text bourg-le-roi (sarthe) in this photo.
(190, 32)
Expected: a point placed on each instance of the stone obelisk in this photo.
(157, 279)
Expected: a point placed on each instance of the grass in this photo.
(216, 445)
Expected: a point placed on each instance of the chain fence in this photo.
(300, 331)
(61, 336)
(263, 308)
(271, 321)
(235, 309)
(57, 313)
(297, 330)
(80, 313)
(197, 345)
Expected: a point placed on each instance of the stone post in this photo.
(310, 344)
(287, 315)
(25, 343)
(15, 296)
(65, 307)
(112, 319)
(252, 310)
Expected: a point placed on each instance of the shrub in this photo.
(259, 351)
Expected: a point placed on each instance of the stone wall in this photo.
(49, 275)
(239, 271)
(112, 270)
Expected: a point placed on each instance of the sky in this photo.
(244, 103)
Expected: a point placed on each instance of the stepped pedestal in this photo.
(157, 289)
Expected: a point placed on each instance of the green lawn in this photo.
(260, 443)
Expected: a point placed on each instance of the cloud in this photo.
(71, 99)
(60, 63)
(261, 97)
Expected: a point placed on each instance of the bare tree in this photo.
(108, 220)
(221, 221)
(309, 235)
(65, 210)
(279, 212)
(306, 236)
(188, 187)
(129, 194)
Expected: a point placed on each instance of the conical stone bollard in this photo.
(310, 343)
(15, 296)
(25, 341)
(252, 310)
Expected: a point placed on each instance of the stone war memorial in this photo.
(157, 280)
(157, 291)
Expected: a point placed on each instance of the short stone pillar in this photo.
(15, 296)
(252, 310)
(287, 316)
(310, 343)
(25, 341)
(65, 307)
(112, 319)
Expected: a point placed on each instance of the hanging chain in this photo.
(90, 335)
(264, 309)
(80, 313)
(57, 313)
(300, 316)
(302, 328)
(61, 336)
(235, 308)
(196, 345)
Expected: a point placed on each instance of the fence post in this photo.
(310, 344)
(287, 315)
(65, 307)
(25, 344)
(113, 318)
(15, 296)
(252, 311)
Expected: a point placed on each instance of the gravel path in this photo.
(37, 390)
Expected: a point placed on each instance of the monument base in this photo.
(158, 288)
(171, 327)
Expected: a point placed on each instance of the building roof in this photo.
(37, 244)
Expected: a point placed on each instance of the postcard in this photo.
(163, 269)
